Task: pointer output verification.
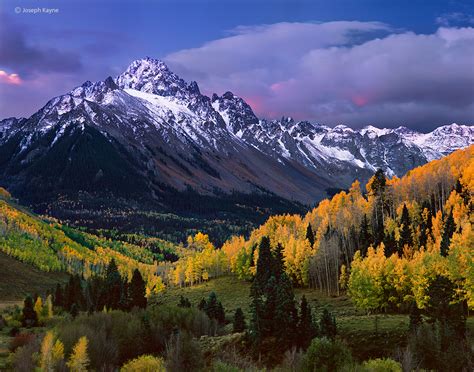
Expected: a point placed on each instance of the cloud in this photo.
(16, 52)
(351, 72)
(455, 19)
(11, 79)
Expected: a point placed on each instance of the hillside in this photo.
(54, 248)
(19, 279)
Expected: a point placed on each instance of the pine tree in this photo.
(29, 316)
(365, 237)
(426, 224)
(202, 305)
(390, 244)
(306, 329)
(327, 325)
(220, 316)
(256, 309)
(377, 189)
(79, 360)
(310, 235)
(58, 296)
(448, 231)
(405, 233)
(74, 310)
(137, 290)
(184, 302)
(125, 302)
(212, 306)
(415, 317)
(277, 267)
(113, 282)
(239, 321)
(264, 262)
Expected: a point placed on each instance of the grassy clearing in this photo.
(369, 336)
(18, 279)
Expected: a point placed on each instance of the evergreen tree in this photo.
(58, 300)
(73, 293)
(377, 189)
(443, 308)
(306, 328)
(212, 308)
(202, 305)
(274, 314)
(448, 231)
(277, 268)
(29, 317)
(220, 316)
(310, 235)
(113, 283)
(74, 310)
(405, 233)
(137, 290)
(184, 302)
(327, 325)
(390, 244)
(365, 237)
(264, 261)
(256, 309)
(415, 317)
(239, 321)
(125, 302)
(461, 191)
(425, 225)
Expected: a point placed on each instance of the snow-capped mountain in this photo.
(147, 134)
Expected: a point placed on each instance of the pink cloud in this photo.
(360, 100)
(10, 79)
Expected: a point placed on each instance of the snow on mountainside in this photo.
(152, 126)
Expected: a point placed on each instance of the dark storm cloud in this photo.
(28, 60)
(338, 72)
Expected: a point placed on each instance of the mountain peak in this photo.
(153, 76)
(147, 63)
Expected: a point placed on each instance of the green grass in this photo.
(369, 336)
(18, 279)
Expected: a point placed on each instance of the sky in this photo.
(380, 62)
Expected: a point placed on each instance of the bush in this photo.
(437, 346)
(183, 353)
(144, 363)
(382, 365)
(102, 347)
(24, 358)
(220, 366)
(20, 340)
(326, 355)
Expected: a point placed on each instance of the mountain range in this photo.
(147, 143)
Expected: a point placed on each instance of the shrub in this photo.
(144, 363)
(326, 355)
(382, 365)
(183, 353)
(20, 340)
(220, 366)
(24, 359)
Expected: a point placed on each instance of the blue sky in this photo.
(47, 55)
